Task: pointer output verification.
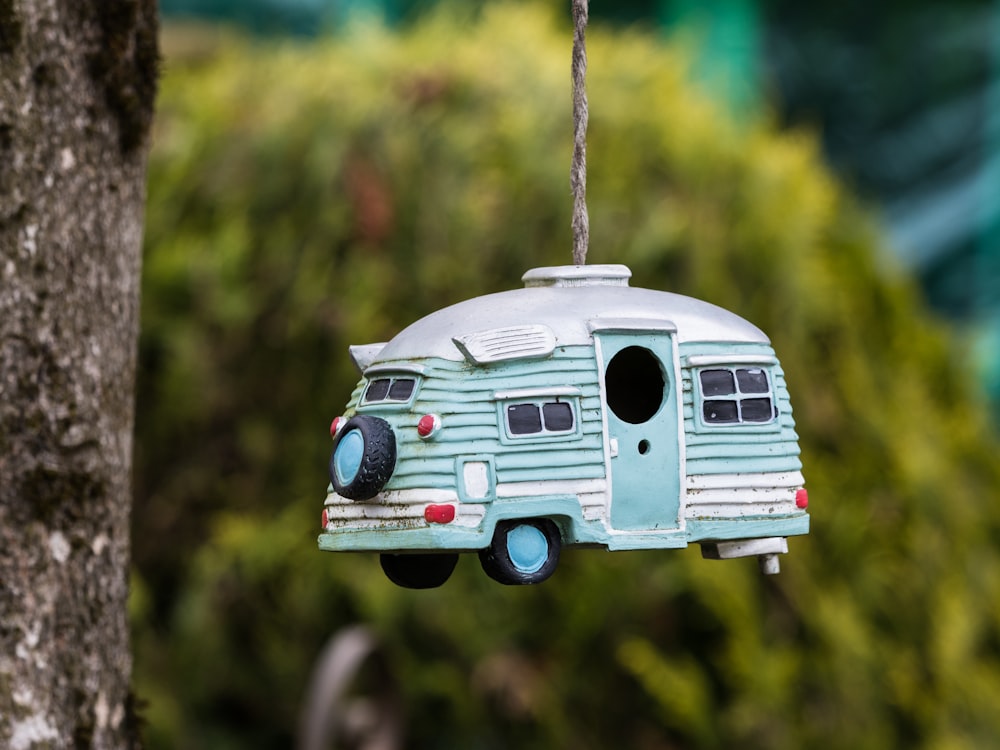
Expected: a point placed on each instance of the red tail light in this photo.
(429, 425)
(439, 513)
(802, 498)
(336, 424)
(325, 518)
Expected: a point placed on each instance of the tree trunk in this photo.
(77, 82)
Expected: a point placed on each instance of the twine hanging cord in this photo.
(578, 168)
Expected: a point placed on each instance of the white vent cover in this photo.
(501, 344)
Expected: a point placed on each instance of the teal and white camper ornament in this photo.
(578, 410)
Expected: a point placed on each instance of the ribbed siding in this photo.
(730, 471)
(735, 470)
(462, 396)
(738, 449)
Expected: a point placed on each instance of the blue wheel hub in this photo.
(527, 548)
(348, 455)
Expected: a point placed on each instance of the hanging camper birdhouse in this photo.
(576, 411)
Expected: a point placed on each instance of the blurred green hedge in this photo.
(303, 198)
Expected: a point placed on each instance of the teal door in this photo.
(640, 402)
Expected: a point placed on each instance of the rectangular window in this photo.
(389, 390)
(524, 419)
(540, 418)
(558, 417)
(401, 389)
(736, 395)
(717, 382)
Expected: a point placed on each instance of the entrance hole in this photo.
(635, 385)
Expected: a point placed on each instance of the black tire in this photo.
(366, 458)
(422, 571)
(501, 560)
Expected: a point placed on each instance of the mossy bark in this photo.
(77, 82)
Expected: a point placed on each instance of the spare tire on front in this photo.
(364, 455)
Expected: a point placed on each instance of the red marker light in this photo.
(428, 425)
(802, 498)
(335, 425)
(439, 513)
(325, 518)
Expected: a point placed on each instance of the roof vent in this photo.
(513, 342)
(566, 276)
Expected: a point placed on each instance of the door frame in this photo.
(639, 327)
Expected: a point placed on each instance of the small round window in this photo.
(635, 385)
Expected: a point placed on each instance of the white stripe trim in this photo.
(554, 487)
(537, 392)
(702, 360)
(737, 510)
(629, 325)
(397, 497)
(763, 480)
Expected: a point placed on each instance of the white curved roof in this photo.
(570, 302)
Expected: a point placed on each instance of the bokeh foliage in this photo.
(303, 198)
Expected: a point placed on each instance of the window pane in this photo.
(558, 417)
(524, 419)
(757, 409)
(718, 412)
(717, 383)
(401, 389)
(377, 390)
(752, 381)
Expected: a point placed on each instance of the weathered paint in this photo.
(663, 482)
(739, 470)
